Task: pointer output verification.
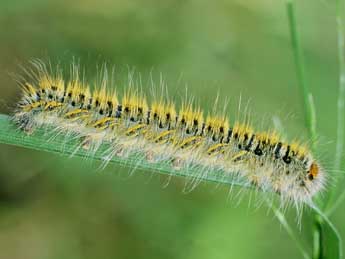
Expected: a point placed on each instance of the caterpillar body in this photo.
(184, 137)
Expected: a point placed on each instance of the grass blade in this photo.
(45, 141)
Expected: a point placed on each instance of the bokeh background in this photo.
(55, 207)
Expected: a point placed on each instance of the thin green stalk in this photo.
(280, 216)
(310, 119)
(339, 152)
(322, 218)
(299, 63)
(44, 140)
(341, 94)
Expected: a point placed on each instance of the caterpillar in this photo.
(183, 137)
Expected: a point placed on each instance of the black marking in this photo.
(287, 158)
(70, 94)
(54, 87)
(50, 96)
(258, 151)
(97, 103)
(73, 103)
(118, 114)
(89, 107)
(310, 177)
(229, 135)
(101, 112)
(202, 129)
(126, 110)
(82, 97)
(148, 117)
(250, 143)
(38, 97)
(195, 122)
(277, 150)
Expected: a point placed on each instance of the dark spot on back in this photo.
(287, 159)
(258, 151)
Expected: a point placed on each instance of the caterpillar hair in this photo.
(158, 131)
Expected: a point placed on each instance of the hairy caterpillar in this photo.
(159, 132)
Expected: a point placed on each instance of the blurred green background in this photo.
(55, 207)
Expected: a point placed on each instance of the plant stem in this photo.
(44, 140)
(331, 206)
(310, 114)
(341, 93)
(317, 238)
(299, 63)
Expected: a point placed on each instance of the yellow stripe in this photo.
(217, 147)
(101, 121)
(238, 155)
(160, 137)
(191, 141)
(31, 106)
(82, 117)
(51, 105)
(75, 112)
(135, 128)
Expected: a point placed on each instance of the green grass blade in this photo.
(310, 119)
(282, 219)
(299, 63)
(45, 141)
(336, 199)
